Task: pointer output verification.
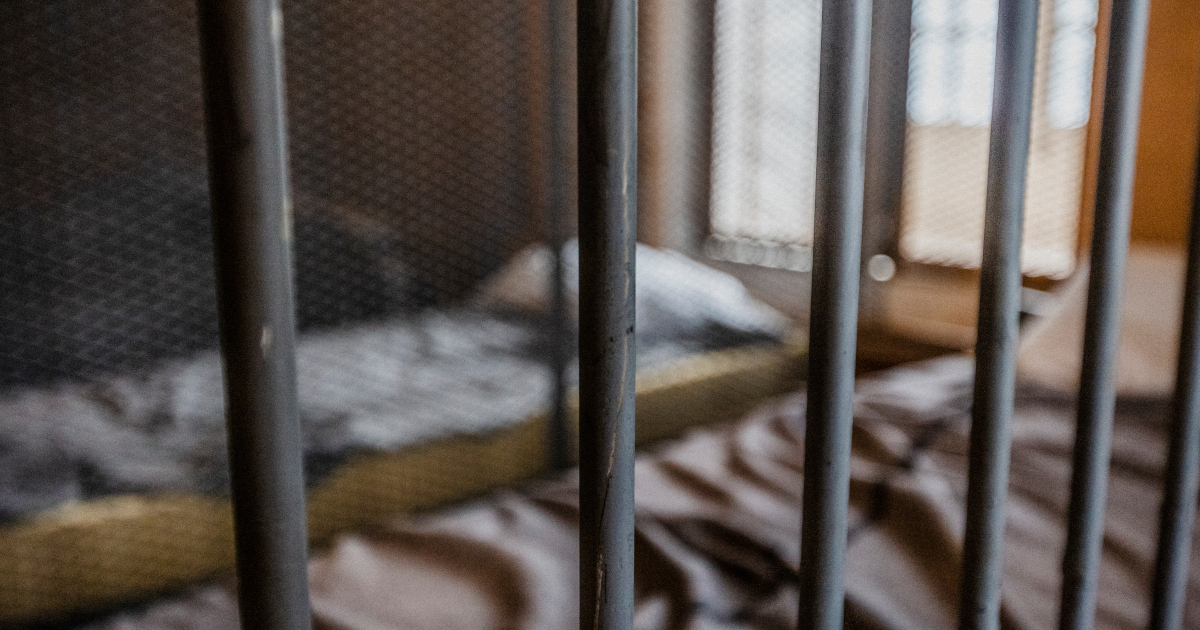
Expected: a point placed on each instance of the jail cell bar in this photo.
(247, 147)
(841, 120)
(999, 307)
(1182, 478)
(559, 449)
(1097, 381)
(607, 109)
(247, 156)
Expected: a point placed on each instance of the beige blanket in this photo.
(718, 529)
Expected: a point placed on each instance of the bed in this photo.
(116, 488)
(717, 528)
(717, 518)
(718, 513)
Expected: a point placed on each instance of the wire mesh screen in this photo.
(420, 159)
(105, 244)
(405, 196)
(764, 132)
(410, 156)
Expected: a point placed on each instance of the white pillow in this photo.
(677, 297)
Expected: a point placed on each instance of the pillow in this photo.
(677, 297)
(1050, 351)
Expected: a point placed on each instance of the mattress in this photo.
(93, 556)
(374, 386)
(115, 489)
(717, 536)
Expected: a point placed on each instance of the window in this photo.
(766, 66)
(1069, 90)
(951, 69)
(951, 63)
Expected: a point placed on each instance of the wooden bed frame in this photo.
(99, 554)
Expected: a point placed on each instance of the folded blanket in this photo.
(718, 519)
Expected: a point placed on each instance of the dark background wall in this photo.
(415, 128)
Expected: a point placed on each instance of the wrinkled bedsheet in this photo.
(718, 521)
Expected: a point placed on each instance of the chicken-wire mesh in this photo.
(408, 127)
(409, 138)
(420, 160)
(105, 243)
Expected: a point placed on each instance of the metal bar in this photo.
(887, 124)
(704, 48)
(248, 177)
(999, 308)
(1097, 381)
(1182, 478)
(607, 58)
(559, 329)
(841, 120)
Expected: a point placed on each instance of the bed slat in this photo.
(999, 307)
(247, 147)
(1110, 244)
(1182, 478)
(841, 119)
(607, 58)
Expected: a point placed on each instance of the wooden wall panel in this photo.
(1170, 113)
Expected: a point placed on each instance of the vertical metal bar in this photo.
(999, 308)
(247, 153)
(704, 47)
(1097, 381)
(841, 119)
(887, 122)
(607, 57)
(559, 329)
(1182, 478)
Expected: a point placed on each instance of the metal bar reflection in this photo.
(607, 57)
(999, 308)
(247, 153)
(1097, 382)
(841, 120)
